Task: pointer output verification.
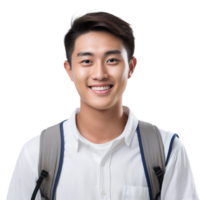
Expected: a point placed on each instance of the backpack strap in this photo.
(153, 157)
(50, 161)
(152, 152)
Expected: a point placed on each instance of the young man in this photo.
(102, 157)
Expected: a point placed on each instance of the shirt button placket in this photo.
(103, 193)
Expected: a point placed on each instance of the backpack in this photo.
(52, 151)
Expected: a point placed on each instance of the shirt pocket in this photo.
(135, 193)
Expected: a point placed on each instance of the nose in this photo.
(99, 71)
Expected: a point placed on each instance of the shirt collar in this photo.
(127, 134)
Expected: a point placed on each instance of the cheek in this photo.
(124, 78)
(122, 85)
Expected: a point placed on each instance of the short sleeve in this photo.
(178, 182)
(24, 177)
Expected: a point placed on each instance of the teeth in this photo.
(100, 88)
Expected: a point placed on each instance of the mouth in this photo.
(101, 90)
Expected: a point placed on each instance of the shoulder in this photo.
(32, 145)
(30, 151)
(167, 138)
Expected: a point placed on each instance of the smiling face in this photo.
(100, 58)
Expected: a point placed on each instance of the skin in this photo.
(101, 117)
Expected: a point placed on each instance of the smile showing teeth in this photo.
(100, 88)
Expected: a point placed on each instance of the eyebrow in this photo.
(106, 53)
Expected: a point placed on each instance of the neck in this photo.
(101, 126)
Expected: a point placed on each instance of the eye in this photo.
(113, 59)
(89, 60)
(84, 61)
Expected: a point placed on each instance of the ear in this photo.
(132, 66)
(69, 70)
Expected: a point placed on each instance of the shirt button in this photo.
(102, 164)
(103, 193)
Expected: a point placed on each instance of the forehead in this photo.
(98, 42)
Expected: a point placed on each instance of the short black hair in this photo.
(99, 21)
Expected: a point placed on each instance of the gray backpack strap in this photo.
(51, 159)
(153, 156)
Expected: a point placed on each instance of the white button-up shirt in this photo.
(110, 171)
